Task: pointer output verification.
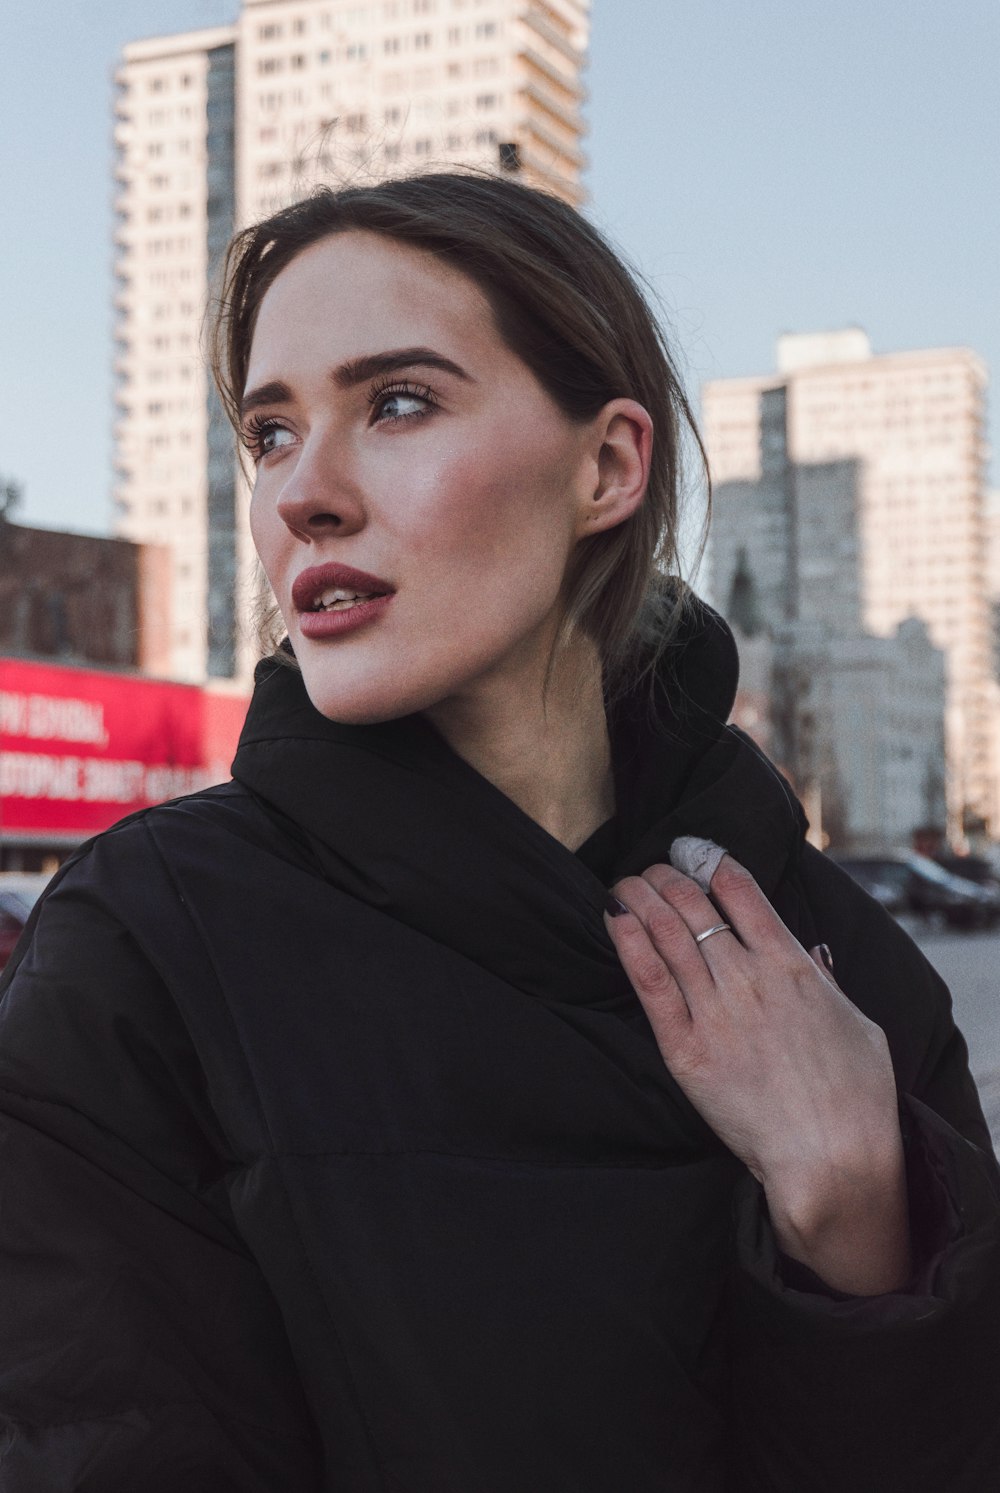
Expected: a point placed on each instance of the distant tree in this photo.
(11, 493)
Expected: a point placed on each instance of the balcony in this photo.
(538, 169)
(538, 98)
(554, 143)
(539, 22)
(566, 83)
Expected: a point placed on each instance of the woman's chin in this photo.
(364, 702)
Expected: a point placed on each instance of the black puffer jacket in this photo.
(337, 1153)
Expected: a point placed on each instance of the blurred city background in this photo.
(807, 191)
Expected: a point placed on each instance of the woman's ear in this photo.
(622, 447)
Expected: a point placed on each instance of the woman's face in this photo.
(404, 454)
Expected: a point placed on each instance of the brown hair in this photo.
(565, 303)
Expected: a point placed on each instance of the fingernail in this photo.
(613, 907)
(696, 858)
(826, 956)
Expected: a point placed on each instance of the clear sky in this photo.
(770, 165)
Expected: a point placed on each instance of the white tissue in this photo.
(696, 858)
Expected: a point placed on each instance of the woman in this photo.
(357, 1137)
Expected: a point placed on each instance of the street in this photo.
(970, 964)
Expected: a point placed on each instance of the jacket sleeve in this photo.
(140, 1346)
(834, 1392)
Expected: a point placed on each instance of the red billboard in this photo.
(80, 748)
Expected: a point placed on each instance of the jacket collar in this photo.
(397, 819)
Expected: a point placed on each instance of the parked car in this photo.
(970, 867)
(19, 891)
(907, 882)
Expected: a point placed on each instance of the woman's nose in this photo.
(320, 495)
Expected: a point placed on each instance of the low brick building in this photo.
(82, 599)
(91, 725)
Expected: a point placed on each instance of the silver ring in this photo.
(717, 928)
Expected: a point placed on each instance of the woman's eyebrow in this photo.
(272, 393)
(360, 370)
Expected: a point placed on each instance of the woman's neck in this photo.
(547, 751)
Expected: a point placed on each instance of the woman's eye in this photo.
(400, 404)
(264, 436)
(273, 436)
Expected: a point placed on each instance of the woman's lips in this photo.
(310, 586)
(330, 624)
(322, 613)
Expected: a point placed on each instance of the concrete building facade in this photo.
(167, 123)
(216, 128)
(872, 470)
(856, 721)
(336, 89)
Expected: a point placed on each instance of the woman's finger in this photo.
(669, 933)
(744, 906)
(821, 955)
(650, 976)
(698, 914)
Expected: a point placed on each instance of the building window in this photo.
(423, 147)
(269, 64)
(269, 33)
(391, 44)
(422, 41)
(298, 61)
(486, 101)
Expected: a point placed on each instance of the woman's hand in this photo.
(791, 1076)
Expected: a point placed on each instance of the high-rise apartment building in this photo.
(333, 89)
(870, 470)
(174, 177)
(214, 129)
